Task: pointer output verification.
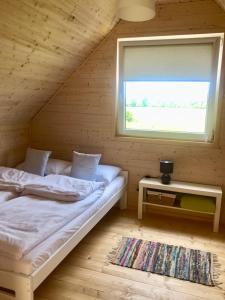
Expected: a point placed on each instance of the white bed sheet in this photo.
(7, 195)
(37, 256)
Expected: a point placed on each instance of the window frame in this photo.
(213, 101)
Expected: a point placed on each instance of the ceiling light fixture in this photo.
(136, 10)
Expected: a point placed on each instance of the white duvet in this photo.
(56, 187)
(13, 180)
(27, 221)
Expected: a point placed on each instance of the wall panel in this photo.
(13, 143)
(81, 115)
(41, 43)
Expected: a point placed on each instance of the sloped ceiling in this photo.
(221, 3)
(41, 43)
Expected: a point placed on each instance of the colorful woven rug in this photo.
(174, 261)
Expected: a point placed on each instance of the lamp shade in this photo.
(166, 166)
(136, 10)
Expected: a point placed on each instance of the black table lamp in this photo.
(166, 168)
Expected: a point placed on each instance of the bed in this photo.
(24, 275)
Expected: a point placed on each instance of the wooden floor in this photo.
(85, 274)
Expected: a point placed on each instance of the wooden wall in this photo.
(221, 3)
(81, 115)
(41, 43)
(13, 143)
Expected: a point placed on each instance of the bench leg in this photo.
(140, 201)
(217, 214)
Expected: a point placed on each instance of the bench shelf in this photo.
(180, 188)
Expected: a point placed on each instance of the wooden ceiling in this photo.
(42, 43)
(221, 3)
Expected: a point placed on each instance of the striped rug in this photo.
(174, 261)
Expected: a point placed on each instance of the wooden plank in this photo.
(86, 271)
(42, 43)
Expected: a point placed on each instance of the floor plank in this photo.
(86, 273)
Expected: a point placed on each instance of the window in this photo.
(167, 87)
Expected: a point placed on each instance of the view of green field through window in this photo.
(177, 106)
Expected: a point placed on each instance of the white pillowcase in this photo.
(84, 166)
(54, 166)
(58, 166)
(36, 161)
(106, 173)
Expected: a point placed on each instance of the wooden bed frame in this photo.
(25, 285)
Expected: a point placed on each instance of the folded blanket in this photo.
(17, 176)
(56, 187)
(10, 186)
(14, 180)
(60, 187)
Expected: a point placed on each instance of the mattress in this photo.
(38, 255)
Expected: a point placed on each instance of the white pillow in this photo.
(84, 166)
(106, 173)
(54, 166)
(36, 161)
(58, 166)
